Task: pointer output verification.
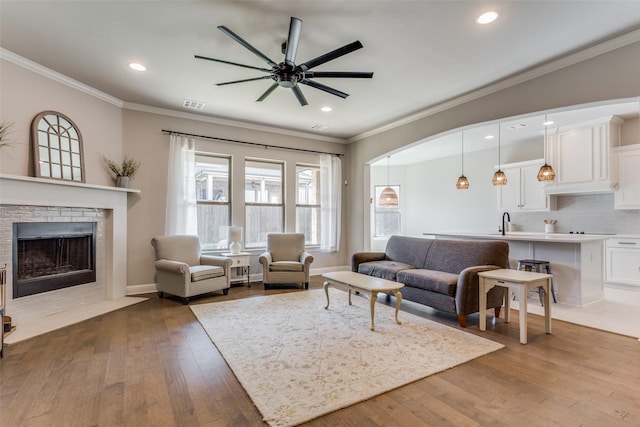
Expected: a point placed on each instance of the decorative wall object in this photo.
(57, 147)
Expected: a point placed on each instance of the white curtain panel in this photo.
(181, 214)
(330, 202)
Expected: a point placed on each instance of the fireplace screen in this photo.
(49, 256)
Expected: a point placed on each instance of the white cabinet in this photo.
(627, 194)
(623, 261)
(581, 156)
(523, 190)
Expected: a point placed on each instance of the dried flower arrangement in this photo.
(127, 167)
(4, 131)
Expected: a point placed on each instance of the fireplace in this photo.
(52, 255)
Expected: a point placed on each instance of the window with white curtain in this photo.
(213, 198)
(263, 200)
(308, 203)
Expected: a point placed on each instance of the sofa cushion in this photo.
(430, 280)
(408, 250)
(453, 256)
(203, 272)
(383, 269)
(286, 266)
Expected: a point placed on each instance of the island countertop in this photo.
(526, 236)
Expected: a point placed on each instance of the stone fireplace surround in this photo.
(29, 199)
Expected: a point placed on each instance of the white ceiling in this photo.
(422, 52)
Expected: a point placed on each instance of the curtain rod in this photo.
(236, 141)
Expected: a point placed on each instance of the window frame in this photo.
(377, 209)
(206, 202)
(309, 240)
(281, 204)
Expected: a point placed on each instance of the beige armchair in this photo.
(285, 260)
(182, 270)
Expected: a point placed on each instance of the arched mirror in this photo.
(57, 147)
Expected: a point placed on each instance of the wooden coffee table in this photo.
(351, 281)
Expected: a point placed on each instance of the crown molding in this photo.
(549, 67)
(55, 76)
(227, 122)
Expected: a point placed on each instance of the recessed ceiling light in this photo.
(487, 17)
(548, 123)
(137, 67)
(326, 109)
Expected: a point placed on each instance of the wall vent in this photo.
(196, 105)
(319, 127)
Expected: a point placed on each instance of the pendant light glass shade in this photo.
(499, 178)
(388, 197)
(546, 172)
(463, 182)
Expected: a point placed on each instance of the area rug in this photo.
(298, 361)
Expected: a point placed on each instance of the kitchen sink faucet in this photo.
(508, 220)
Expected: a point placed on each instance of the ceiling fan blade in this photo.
(233, 63)
(325, 88)
(292, 41)
(345, 74)
(330, 56)
(299, 96)
(267, 92)
(244, 43)
(242, 81)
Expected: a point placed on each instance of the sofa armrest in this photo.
(217, 261)
(468, 292)
(360, 257)
(306, 258)
(265, 259)
(174, 267)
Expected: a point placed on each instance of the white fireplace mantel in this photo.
(29, 191)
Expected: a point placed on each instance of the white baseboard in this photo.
(142, 289)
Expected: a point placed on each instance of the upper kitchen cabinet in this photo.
(627, 194)
(523, 191)
(582, 158)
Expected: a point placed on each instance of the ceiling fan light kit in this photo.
(289, 75)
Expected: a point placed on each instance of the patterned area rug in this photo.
(299, 361)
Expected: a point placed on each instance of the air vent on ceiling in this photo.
(517, 126)
(319, 127)
(196, 105)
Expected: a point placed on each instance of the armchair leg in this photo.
(497, 311)
(161, 294)
(266, 287)
(225, 291)
(185, 301)
(306, 285)
(462, 320)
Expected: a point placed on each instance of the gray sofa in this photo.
(442, 274)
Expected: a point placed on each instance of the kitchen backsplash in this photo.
(591, 213)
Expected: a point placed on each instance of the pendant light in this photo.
(499, 178)
(463, 182)
(546, 172)
(388, 197)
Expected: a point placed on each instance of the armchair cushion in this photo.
(285, 246)
(286, 266)
(203, 272)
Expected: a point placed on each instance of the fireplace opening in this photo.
(52, 255)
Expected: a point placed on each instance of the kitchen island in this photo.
(576, 259)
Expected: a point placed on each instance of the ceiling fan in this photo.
(287, 74)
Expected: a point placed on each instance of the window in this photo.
(308, 203)
(387, 219)
(214, 204)
(264, 203)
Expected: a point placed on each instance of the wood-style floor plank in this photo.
(152, 364)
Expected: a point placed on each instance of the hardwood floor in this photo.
(151, 364)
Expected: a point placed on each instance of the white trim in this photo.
(145, 288)
(60, 78)
(227, 122)
(549, 67)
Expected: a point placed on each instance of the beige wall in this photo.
(144, 140)
(25, 93)
(612, 75)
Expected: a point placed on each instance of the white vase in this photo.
(235, 247)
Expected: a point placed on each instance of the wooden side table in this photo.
(242, 261)
(520, 282)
